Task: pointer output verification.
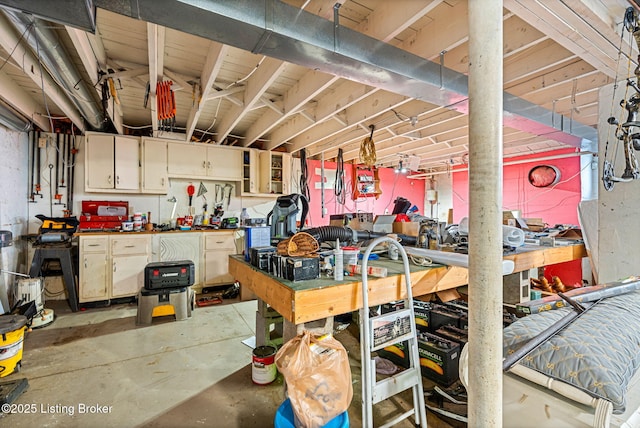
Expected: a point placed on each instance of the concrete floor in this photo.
(98, 368)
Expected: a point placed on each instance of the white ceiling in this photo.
(557, 54)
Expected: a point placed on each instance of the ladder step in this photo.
(390, 328)
(395, 384)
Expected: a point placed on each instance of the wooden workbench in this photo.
(304, 301)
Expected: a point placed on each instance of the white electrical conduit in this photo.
(454, 259)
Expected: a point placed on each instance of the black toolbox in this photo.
(160, 275)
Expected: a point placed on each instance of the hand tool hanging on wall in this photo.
(50, 190)
(74, 150)
(191, 190)
(33, 167)
(38, 166)
(166, 105)
(67, 167)
(57, 196)
(63, 160)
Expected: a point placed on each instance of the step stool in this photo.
(165, 301)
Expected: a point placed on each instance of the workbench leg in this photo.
(318, 327)
(265, 318)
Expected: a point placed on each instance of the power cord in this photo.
(304, 175)
(338, 187)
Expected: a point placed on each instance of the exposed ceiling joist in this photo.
(241, 24)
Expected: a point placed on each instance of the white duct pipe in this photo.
(485, 208)
(515, 162)
(31, 66)
(44, 42)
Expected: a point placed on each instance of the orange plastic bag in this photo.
(318, 378)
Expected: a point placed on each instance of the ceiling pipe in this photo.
(48, 48)
(11, 120)
(514, 162)
(278, 30)
(29, 63)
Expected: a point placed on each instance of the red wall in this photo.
(556, 205)
(392, 185)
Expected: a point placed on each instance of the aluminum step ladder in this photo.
(384, 330)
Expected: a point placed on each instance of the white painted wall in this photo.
(13, 206)
(158, 205)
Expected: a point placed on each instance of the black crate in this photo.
(439, 358)
(302, 268)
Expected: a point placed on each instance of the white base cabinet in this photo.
(217, 248)
(112, 264)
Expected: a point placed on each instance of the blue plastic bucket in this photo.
(284, 418)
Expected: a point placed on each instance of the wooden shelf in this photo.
(366, 183)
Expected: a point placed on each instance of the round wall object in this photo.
(544, 176)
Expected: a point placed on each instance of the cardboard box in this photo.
(534, 224)
(383, 223)
(362, 221)
(409, 228)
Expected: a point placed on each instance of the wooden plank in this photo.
(547, 256)
(275, 293)
(316, 299)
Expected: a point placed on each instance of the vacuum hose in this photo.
(346, 234)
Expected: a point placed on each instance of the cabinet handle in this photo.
(208, 165)
(117, 179)
(204, 164)
(109, 179)
(129, 246)
(114, 266)
(162, 181)
(93, 245)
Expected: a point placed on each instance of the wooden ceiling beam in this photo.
(568, 30)
(22, 101)
(362, 112)
(308, 87)
(338, 98)
(256, 85)
(391, 18)
(213, 63)
(94, 59)
(155, 54)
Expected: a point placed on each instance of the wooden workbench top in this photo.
(304, 301)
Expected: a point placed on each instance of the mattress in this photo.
(599, 352)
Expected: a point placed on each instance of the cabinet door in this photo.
(218, 247)
(250, 171)
(216, 267)
(154, 166)
(99, 162)
(286, 173)
(127, 277)
(127, 163)
(183, 246)
(187, 160)
(273, 173)
(224, 163)
(93, 277)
